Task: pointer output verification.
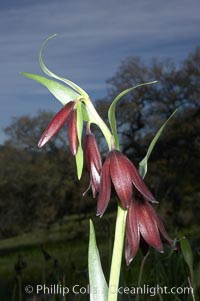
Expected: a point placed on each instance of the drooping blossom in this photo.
(66, 114)
(93, 161)
(143, 228)
(121, 172)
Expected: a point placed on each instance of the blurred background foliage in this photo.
(39, 189)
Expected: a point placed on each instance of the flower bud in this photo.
(56, 124)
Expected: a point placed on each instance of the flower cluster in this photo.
(143, 226)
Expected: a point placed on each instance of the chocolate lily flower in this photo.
(93, 161)
(67, 113)
(121, 172)
(143, 228)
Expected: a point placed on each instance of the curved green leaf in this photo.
(111, 111)
(98, 285)
(61, 92)
(51, 74)
(79, 155)
(143, 163)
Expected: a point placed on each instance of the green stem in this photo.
(141, 272)
(64, 283)
(192, 286)
(96, 119)
(117, 254)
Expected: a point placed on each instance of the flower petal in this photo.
(132, 233)
(148, 226)
(95, 178)
(56, 124)
(92, 153)
(138, 182)
(121, 177)
(128, 253)
(105, 188)
(94, 190)
(72, 132)
(93, 161)
(160, 225)
(86, 150)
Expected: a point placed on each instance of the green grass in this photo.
(67, 244)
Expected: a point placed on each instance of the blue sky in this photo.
(93, 38)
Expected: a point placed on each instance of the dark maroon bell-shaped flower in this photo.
(67, 114)
(120, 171)
(143, 228)
(93, 161)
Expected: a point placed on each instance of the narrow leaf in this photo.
(187, 254)
(111, 111)
(51, 74)
(98, 285)
(61, 92)
(143, 163)
(79, 155)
